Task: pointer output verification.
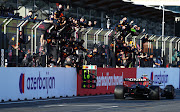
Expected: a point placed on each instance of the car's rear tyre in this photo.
(154, 93)
(169, 92)
(119, 92)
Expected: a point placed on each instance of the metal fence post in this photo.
(5, 25)
(5, 37)
(106, 37)
(157, 42)
(17, 39)
(149, 44)
(107, 41)
(134, 39)
(165, 44)
(85, 43)
(170, 49)
(127, 37)
(1, 34)
(19, 28)
(141, 41)
(85, 37)
(106, 44)
(116, 36)
(96, 36)
(51, 28)
(170, 52)
(33, 34)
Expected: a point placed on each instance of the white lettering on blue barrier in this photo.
(160, 78)
(39, 83)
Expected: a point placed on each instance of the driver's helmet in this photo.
(145, 83)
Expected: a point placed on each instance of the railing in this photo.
(9, 35)
(169, 50)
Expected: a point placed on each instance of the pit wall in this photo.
(42, 83)
(161, 76)
(37, 83)
(107, 79)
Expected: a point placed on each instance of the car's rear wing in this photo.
(136, 79)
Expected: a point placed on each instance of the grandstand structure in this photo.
(148, 18)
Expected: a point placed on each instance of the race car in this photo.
(143, 88)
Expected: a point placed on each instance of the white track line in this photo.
(78, 97)
(49, 106)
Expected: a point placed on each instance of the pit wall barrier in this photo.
(37, 83)
(161, 76)
(41, 83)
(107, 79)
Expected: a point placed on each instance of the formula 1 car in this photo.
(143, 88)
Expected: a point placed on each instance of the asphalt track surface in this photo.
(101, 103)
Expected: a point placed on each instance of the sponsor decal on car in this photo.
(135, 80)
